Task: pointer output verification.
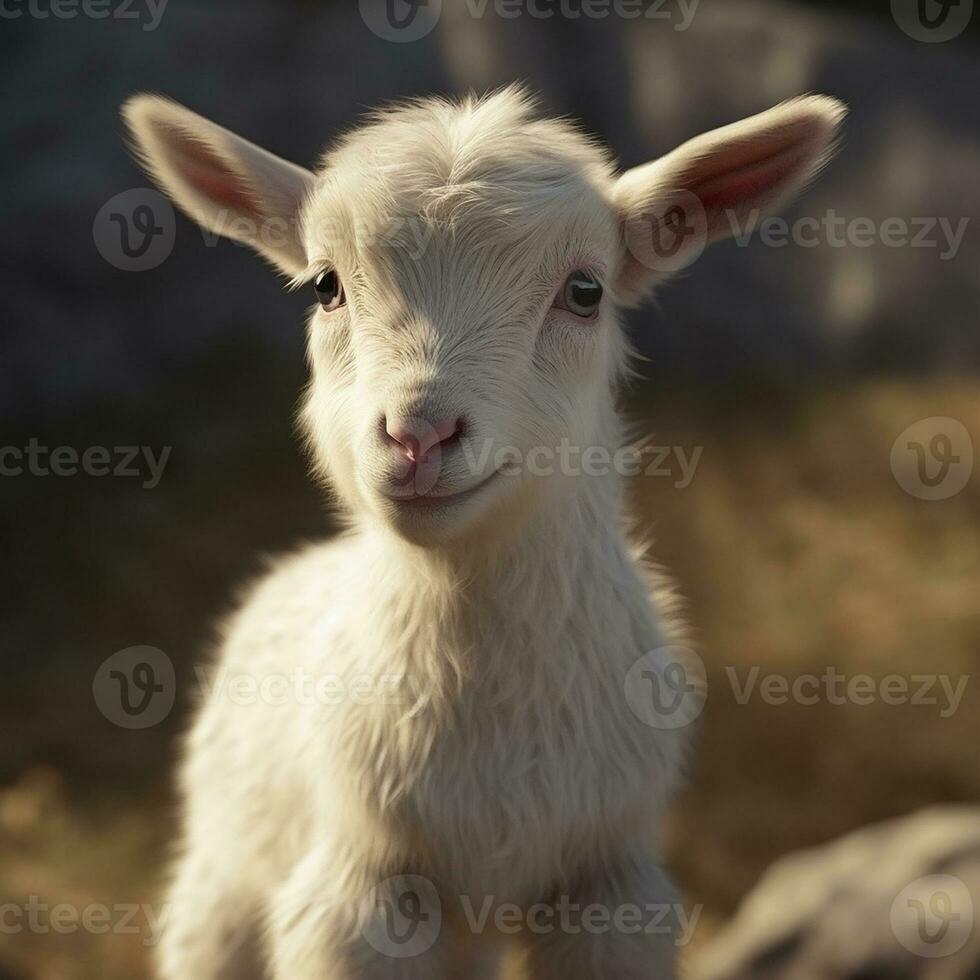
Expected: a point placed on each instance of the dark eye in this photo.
(580, 294)
(329, 290)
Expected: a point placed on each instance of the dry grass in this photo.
(798, 550)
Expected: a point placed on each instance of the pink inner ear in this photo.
(211, 177)
(750, 170)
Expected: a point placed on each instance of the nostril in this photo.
(448, 431)
(386, 427)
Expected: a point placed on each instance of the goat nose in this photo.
(416, 437)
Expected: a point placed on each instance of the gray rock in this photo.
(896, 901)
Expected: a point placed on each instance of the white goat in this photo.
(428, 717)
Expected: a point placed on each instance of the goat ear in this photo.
(716, 184)
(226, 184)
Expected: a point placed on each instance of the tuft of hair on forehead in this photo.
(475, 137)
(431, 155)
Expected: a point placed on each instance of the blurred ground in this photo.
(794, 545)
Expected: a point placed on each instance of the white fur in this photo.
(510, 764)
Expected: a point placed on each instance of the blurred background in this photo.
(806, 538)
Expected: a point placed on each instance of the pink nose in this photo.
(415, 438)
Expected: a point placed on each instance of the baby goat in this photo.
(451, 727)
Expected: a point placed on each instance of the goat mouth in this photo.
(424, 502)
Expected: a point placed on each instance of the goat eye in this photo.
(329, 290)
(580, 294)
